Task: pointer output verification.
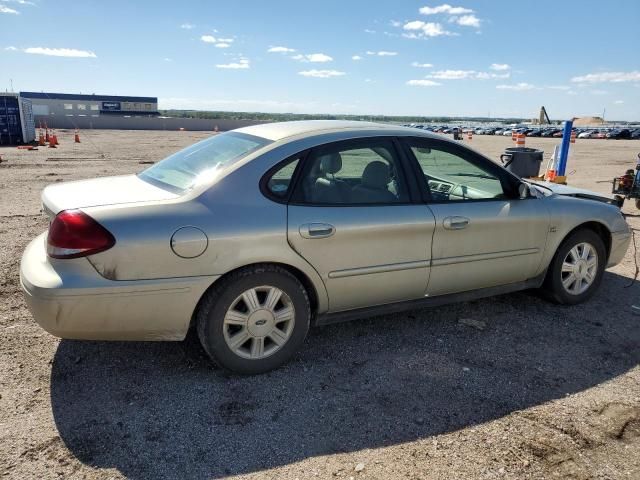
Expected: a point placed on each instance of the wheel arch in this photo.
(594, 226)
(302, 277)
(598, 228)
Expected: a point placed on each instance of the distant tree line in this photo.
(282, 117)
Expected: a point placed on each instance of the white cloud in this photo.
(421, 65)
(21, 2)
(382, 53)
(487, 75)
(423, 83)
(187, 26)
(11, 49)
(280, 50)
(559, 87)
(225, 40)
(366, 30)
(445, 8)
(420, 29)
(395, 23)
(619, 102)
(613, 77)
(356, 57)
(208, 39)
(223, 45)
(462, 74)
(520, 87)
(599, 92)
(321, 73)
(500, 66)
(452, 74)
(313, 58)
(5, 9)
(467, 21)
(167, 59)
(241, 64)
(60, 52)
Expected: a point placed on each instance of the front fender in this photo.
(569, 213)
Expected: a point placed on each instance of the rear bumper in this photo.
(69, 299)
(619, 245)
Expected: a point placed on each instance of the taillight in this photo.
(74, 234)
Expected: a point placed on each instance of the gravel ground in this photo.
(509, 387)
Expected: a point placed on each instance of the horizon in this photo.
(416, 59)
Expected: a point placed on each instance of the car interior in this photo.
(369, 175)
(365, 175)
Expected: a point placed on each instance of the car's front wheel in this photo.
(255, 319)
(577, 268)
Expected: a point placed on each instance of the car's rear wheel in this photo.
(255, 319)
(577, 268)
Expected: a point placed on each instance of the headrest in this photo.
(330, 163)
(376, 175)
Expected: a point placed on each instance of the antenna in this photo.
(11, 80)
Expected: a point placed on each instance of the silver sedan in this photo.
(253, 235)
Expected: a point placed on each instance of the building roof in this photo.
(279, 130)
(94, 98)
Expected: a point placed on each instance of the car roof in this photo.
(280, 130)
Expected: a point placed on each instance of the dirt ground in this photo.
(533, 390)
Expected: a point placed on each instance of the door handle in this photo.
(455, 223)
(317, 230)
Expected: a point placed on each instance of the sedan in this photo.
(252, 236)
(619, 134)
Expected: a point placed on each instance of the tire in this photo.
(239, 307)
(553, 285)
(637, 203)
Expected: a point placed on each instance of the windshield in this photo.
(201, 162)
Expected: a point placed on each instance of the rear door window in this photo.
(362, 172)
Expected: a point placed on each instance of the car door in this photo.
(485, 235)
(351, 216)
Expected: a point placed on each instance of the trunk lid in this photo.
(100, 191)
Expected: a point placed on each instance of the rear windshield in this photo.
(201, 162)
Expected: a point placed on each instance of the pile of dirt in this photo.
(586, 121)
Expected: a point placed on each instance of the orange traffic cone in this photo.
(54, 138)
(76, 137)
(41, 139)
(52, 144)
(46, 137)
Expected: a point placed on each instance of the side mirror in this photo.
(523, 190)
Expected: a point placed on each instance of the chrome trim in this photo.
(394, 267)
(438, 262)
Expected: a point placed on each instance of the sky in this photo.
(474, 58)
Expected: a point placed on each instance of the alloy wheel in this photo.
(579, 268)
(259, 322)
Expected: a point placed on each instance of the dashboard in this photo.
(443, 190)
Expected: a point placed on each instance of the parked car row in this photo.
(548, 132)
